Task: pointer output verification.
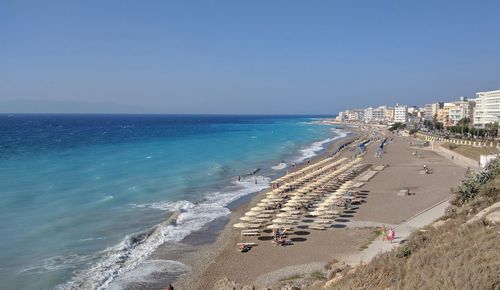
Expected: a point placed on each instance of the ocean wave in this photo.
(167, 206)
(56, 263)
(148, 272)
(135, 249)
(280, 166)
(312, 150)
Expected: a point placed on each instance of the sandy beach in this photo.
(267, 264)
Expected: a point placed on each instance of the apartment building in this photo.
(487, 108)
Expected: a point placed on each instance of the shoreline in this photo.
(201, 260)
(200, 239)
(353, 234)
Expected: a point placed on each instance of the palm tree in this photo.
(464, 122)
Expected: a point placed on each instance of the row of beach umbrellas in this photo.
(308, 189)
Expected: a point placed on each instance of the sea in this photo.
(81, 194)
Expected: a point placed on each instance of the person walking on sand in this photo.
(170, 287)
(383, 232)
(391, 235)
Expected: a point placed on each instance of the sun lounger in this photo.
(317, 227)
(246, 244)
(250, 234)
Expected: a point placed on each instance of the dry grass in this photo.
(469, 151)
(453, 256)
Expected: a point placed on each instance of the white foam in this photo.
(168, 206)
(280, 166)
(146, 273)
(56, 263)
(312, 150)
(135, 249)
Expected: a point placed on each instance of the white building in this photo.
(487, 108)
(430, 110)
(368, 114)
(378, 114)
(461, 109)
(400, 114)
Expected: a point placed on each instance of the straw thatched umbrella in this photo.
(279, 221)
(253, 226)
(246, 218)
(251, 213)
(317, 212)
(273, 226)
(257, 208)
(264, 215)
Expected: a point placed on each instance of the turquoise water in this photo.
(78, 190)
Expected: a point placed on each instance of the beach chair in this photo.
(250, 232)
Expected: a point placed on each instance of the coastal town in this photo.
(476, 117)
(250, 145)
(371, 196)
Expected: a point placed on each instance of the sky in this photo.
(243, 57)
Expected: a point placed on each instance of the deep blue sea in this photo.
(76, 190)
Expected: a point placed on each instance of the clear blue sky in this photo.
(311, 57)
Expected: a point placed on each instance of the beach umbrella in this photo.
(257, 208)
(246, 218)
(329, 202)
(241, 225)
(326, 215)
(253, 226)
(273, 226)
(251, 213)
(284, 214)
(279, 220)
(264, 215)
(317, 212)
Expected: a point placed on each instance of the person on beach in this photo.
(391, 235)
(239, 178)
(383, 232)
(170, 287)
